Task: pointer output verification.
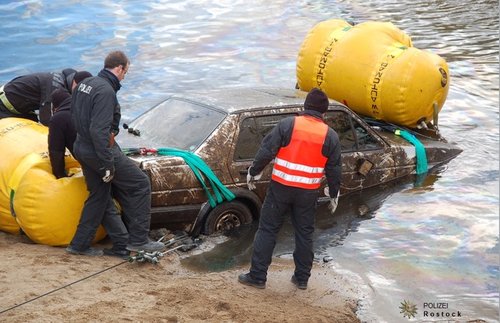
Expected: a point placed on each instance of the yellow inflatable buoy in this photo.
(48, 209)
(31, 198)
(18, 138)
(374, 69)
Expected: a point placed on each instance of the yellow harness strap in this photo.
(6, 102)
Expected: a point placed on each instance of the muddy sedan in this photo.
(225, 128)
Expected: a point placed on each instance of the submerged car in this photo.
(225, 128)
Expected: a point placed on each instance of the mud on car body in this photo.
(225, 128)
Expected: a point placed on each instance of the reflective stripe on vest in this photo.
(6, 102)
(301, 163)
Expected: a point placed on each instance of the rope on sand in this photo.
(62, 287)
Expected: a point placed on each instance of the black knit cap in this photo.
(58, 97)
(316, 100)
(81, 75)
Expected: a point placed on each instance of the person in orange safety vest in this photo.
(304, 150)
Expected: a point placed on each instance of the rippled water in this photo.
(432, 239)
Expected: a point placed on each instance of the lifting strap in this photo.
(201, 170)
(419, 150)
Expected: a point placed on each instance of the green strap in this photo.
(202, 170)
(419, 150)
(6, 102)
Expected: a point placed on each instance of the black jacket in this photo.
(32, 92)
(281, 135)
(62, 135)
(95, 114)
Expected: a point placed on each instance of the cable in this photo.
(67, 285)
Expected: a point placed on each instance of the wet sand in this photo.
(45, 284)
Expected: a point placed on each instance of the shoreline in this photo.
(52, 285)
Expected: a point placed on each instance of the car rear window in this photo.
(176, 123)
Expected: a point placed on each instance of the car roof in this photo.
(237, 99)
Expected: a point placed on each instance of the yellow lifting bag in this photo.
(18, 138)
(31, 198)
(374, 69)
(48, 209)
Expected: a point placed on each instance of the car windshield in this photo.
(176, 123)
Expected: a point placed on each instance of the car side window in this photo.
(365, 140)
(352, 135)
(252, 131)
(340, 121)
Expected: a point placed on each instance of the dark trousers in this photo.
(130, 187)
(280, 201)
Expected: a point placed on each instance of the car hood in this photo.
(128, 140)
(148, 162)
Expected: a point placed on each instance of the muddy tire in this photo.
(227, 216)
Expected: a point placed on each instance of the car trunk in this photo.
(437, 150)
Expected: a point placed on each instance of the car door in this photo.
(253, 127)
(366, 158)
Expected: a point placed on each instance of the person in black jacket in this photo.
(96, 116)
(304, 149)
(24, 95)
(62, 133)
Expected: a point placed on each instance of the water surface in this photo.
(434, 239)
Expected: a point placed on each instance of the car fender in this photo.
(243, 195)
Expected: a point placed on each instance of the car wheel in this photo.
(227, 216)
